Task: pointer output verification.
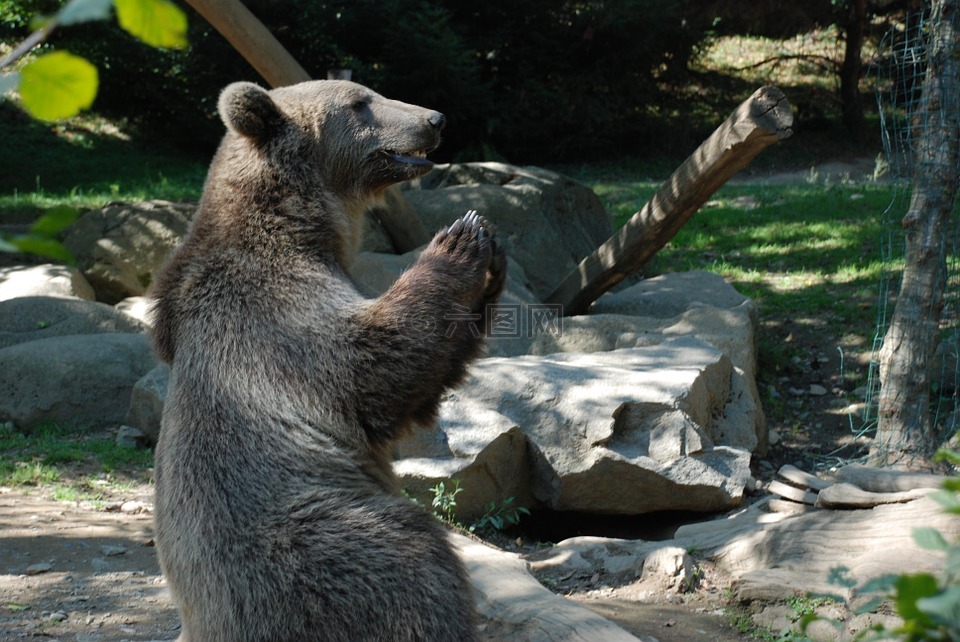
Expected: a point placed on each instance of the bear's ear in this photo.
(247, 109)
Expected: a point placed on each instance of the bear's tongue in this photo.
(412, 158)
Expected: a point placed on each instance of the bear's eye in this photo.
(359, 104)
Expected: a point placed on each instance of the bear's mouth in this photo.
(417, 159)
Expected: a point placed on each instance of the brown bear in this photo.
(278, 516)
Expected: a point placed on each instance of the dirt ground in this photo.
(75, 572)
(71, 572)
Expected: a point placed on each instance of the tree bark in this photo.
(850, 70)
(905, 433)
(758, 122)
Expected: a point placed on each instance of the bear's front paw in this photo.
(471, 243)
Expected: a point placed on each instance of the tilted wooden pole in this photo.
(758, 122)
(253, 40)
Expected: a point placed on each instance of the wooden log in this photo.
(844, 495)
(887, 480)
(760, 121)
(792, 493)
(803, 479)
(252, 40)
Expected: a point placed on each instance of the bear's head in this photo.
(333, 134)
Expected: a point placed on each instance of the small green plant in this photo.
(445, 501)
(499, 516)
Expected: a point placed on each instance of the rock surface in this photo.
(75, 380)
(122, 246)
(44, 280)
(649, 418)
(34, 318)
(146, 403)
(546, 221)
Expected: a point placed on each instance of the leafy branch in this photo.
(59, 84)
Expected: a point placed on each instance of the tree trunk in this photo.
(761, 120)
(851, 69)
(905, 434)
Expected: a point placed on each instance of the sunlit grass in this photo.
(86, 162)
(73, 465)
(809, 59)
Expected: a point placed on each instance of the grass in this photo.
(86, 162)
(71, 464)
(798, 250)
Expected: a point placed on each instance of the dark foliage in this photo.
(526, 80)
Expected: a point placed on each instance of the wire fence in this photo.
(900, 70)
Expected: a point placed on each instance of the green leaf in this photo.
(911, 588)
(946, 454)
(947, 499)
(929, 538)
(57, 85)
(953, 561)
(869, 606)
(159, 23)
(43, 247)
(944, 607)
(54, 220)
(77, 11)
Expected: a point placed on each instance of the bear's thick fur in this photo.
(278, 517)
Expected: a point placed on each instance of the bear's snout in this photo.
(437, 120)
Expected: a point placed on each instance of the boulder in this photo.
(79, 380)
(546, 221)
(137, 308)
(653, 418)
(146, 403)
(40, 317)
(483, 449)
(44, 280)
(696, 302)
(120, 247)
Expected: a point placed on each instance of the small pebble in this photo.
(36, 569)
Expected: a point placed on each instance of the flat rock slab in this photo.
(776, 556)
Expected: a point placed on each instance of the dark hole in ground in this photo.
(554, 526)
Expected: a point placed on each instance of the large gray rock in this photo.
(48, 279)
(121, 247)
(39, 317)
(655, 420)
(697, 302)
(546, 221)
(76, 380)
(146, 403)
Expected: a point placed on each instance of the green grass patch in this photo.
(86, 162)
(74, 463)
